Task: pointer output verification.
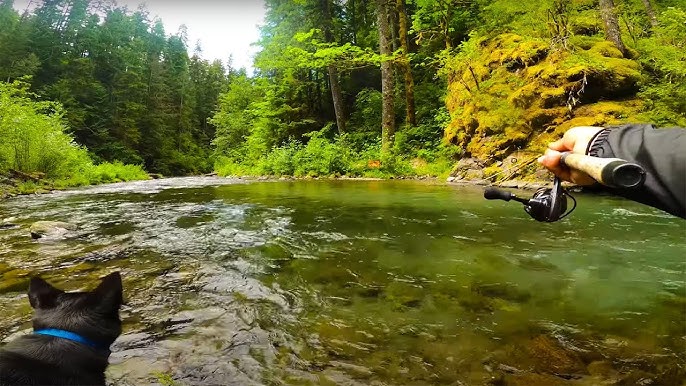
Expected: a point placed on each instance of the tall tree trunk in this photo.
(393, 20)
(337, 96)
(411, 117)
(612, 32)
(320, 97)
(446, 16)
(651, 13)
(387, 89)
(334, 76)
(353, 20)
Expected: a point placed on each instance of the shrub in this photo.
(114, 172)
(33, 137)
(321, 156)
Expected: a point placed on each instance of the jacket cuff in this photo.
(596, 143)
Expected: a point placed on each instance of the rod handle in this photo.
(612, 172)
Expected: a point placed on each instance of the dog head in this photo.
(94, 315)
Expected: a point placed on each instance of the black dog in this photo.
(71, 338)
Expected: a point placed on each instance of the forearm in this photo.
(662, 153)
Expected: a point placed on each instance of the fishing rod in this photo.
(550, 204)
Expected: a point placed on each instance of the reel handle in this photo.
(612, 172)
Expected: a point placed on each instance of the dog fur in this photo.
(47, 360)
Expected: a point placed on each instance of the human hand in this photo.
(575, 140)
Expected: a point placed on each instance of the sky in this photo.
(224, 27)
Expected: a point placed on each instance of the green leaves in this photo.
(664, 58)
(32, 135)
(130, 91)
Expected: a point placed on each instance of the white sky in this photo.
(224, 27)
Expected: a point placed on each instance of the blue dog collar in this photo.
(70, 336)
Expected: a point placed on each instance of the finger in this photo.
(558, 145)
(551, 160)
(581, 178)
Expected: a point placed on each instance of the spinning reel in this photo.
(547, 205)
(550, 204)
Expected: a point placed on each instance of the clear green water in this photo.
(362, 282)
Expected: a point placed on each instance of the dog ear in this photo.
(42, 294)
(109, 293)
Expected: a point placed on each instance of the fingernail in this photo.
(540, 159)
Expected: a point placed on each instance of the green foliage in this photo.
(426, 140)
(663, 55)
(525, 17)
(165, 379)
(130, 92)
(309, 50)
(322, 157)
(491, 76)
(442, 24)
(114, 172)
(101, 174)
(367, 113)
(33, 138)
(27, 187)
(237, 113)
(32, 135)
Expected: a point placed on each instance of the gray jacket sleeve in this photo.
(662, 153)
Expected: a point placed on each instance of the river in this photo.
(361, 283)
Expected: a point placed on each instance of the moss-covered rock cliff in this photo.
(510, 94)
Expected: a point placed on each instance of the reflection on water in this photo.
(362, 282)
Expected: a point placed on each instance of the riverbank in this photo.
(14, 183)
(510, 184)
(12, 187)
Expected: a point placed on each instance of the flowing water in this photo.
(361, 283)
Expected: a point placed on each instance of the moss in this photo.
(15, 284)
(14, 280)
(492, 171)
(512, 93)
(514, 51)
(505, 291)
(165, 379)
(586, 23)
(404, 295)
(606, 49)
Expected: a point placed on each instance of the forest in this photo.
(93, 92)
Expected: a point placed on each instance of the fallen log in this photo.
(16, 174)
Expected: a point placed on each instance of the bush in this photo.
(34, 139)
(114, 172)
(322, 157)
(32, 135)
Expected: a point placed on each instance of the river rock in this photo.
(51, 229)
(468, 169)
(8, 226)
(512, 184)
(505, 291)
(550, 357)
(530, 379)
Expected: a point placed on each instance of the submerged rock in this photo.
(51, 229)
(14, 279)
(506, 291)
(551, 357)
